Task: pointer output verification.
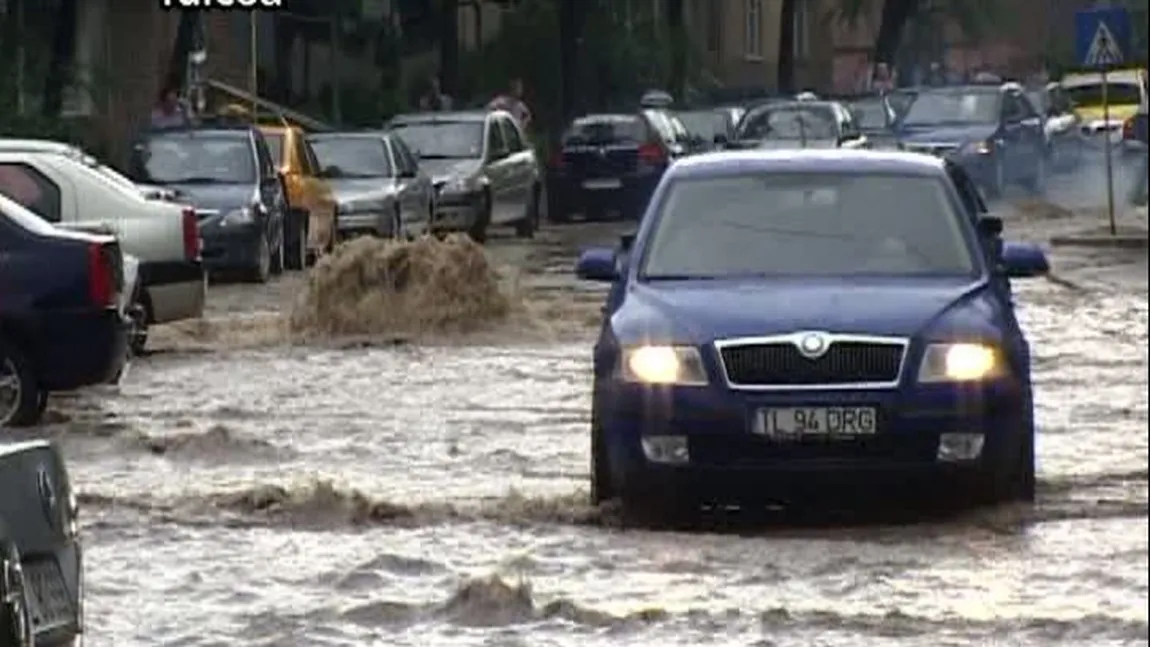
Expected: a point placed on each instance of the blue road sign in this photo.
(1102, 37)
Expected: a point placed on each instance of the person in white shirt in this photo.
(512, 102)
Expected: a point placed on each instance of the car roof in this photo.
(36, 146)
(846, 161)
(211, 131)
(466, 116)
(1129, 75)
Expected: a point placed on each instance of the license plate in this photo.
(817, 421)
(599, 185)
(49, 602)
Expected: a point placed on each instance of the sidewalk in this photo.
(1062, 227)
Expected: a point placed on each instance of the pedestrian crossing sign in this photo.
(1103, 37)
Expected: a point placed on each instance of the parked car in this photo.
(149, 191)
(73, 192)
(610, 162)
(483, 168)
(992, 131)
(62, 325)
(809, 123)
(41, 561)
(875, 119)
(1125, 92)
(775, 384)
(227, 174)
(309, 196)
(706, 125)
(378, 186)
(1063, 127)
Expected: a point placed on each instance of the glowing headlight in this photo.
(241, 216)
(978, 148)
(960, 363)
(679, 365)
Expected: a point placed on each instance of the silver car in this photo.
(484, 169)
(377, 184)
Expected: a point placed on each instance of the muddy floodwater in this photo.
(241, 492)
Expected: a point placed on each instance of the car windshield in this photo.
(1122, 94)
(953, 107)
(871, 114)
(801, 224)
(605, 129)
(197, 158)
(790, 123)
(704, 123)
(275, 147)
(443, 139)
(24, 218)
(352, 157)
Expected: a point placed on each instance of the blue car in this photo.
(794, 323)
(994, 132)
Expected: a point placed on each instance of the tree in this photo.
(449, 46)
(786, 70)
(61, 57)
(677, 32)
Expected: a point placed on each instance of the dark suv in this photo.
(612, 162)
(227, 173)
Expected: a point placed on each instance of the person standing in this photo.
(169, 111)
(512, 102)
(883, 80)
(434, 100)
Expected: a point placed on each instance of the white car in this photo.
(164, 236)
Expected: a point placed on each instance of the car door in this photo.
(1033, 131)
(419, 185)
(321, 233)
(521, 160)
(499, 167)
(271, 190)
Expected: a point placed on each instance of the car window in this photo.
(870, 114)
(495, 142)
(443, 139)
(275, 142)
(267, 166)
(792, 224)
(309, 155)
(178, 158)
(23, 218)
(597, 130)
(705, 123)
(31, 189)
(953, 107)
(353, 157)
(790, 122)
(301, 155)
(511, 135)
(1090, 94)
(404, 155)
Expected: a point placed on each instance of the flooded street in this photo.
(237, 491)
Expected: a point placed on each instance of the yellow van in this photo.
(1126, 92)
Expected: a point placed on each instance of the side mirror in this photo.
(597, 264)
(1024, 260)
(990, 225)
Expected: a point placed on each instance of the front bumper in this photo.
(728, 461)
(235, 247)
(456, 212)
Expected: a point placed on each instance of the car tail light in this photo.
(101, 277)
(192, 243)
(652, 154)
(1128, 128)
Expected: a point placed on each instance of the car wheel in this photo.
(261, 273)
(478, 229)
(1013, 480)
(601, 489)
(527, 227)
(19, 391)
(16, 627)
(296, 240)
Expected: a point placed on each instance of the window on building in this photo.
(753, 45)
(802, 30)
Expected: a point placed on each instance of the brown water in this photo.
(241, 493)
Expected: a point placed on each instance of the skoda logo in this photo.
(813, 345)
(48, 499)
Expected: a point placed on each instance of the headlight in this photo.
(679, 365)
(459, 185)
(960, 363)
(977, 148)
(241, 216)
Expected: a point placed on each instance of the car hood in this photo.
(946, 135)
(703, 311)
(215, 197)
(347, 189)
(444, 170)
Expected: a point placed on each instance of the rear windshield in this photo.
(605, 130)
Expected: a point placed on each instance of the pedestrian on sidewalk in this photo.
(512, 102)
(434, 100)
(169, 111)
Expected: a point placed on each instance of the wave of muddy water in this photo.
(435, 496)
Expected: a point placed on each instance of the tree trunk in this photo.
(678, 37)
(569, 28)
(286, 36)
(449, 47)
(895, 15)
(60, 63)
(185, 40)
(786, 67)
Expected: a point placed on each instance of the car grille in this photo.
(844, 363)
(937, 150)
